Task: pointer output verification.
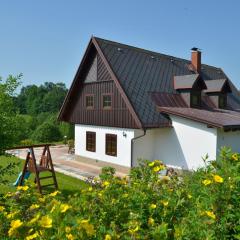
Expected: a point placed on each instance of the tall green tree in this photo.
(9, 125)
(48, 97)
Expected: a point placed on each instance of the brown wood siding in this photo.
(118, 116)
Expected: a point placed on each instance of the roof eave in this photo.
(169, 112)
(60, 115)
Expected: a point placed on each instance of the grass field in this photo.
(67, 185)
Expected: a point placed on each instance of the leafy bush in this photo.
(201, 205)
(47, 132)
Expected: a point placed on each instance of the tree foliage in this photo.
(46, 98)
(9, 125)
(47, 132)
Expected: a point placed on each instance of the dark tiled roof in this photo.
(168, 100)
(185, 81)
(217, 85)
(218, 118)
(141, 71)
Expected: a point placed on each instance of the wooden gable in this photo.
(95, 80)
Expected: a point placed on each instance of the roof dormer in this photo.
(190, 87)
(218, 90)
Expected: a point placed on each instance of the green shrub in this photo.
(47, 132)
(26, 142)
(201, 205)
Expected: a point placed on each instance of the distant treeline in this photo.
(37, 108)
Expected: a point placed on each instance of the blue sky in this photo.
(45, 40)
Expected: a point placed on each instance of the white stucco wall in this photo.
(181, 146)
(123, 144)
(195, 140)
(228, 139)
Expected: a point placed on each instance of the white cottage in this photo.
(129, 103)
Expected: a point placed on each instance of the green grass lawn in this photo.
(67, 185)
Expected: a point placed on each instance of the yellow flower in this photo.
(42, 199)
(89, 228)
(46, 222)
(33, 220)
(23, 188)
(206, 182)
(11, 232)
(64, 208)
(33, 236)
(34, 206)
(153, 206)
(11, 215)
(107, 237)
(14, 225)
(189, 196)
(235, 157)
(132, 231)
(165, 203)
(151, 221)
(90, 189)
(125, 195)
(105, 183)
(69, 236)
(151, 164)
(210, 214)
(2, 208)
(156, 169)
(165, 178)
(218, 179)
(67, 229)
(53, 194)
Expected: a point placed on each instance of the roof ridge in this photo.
(153, 52)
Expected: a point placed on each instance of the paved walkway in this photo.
(70, 164)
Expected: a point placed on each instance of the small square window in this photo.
(107, 101)
(89, 101)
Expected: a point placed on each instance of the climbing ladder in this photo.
(45, 165)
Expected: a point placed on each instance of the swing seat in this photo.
(42, 167)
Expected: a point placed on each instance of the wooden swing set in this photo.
(45, 165)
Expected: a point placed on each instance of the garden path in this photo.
(70, 164)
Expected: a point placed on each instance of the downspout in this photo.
(132, 142)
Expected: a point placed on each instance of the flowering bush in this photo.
(201, 205)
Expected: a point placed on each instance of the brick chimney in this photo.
(196, 59)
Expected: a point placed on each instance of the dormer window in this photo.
(190, 88)
(222, 101)
(217, 91)
(195, 99)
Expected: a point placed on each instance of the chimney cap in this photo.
(195, 49)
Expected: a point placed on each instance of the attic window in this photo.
(89, 101)
(107, 101)
(222, 101)
(195, 99)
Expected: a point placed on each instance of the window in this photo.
(111, 144)
(89, 101)
(107, 101)
(195, 100)
(222, 101)
(91, 141)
